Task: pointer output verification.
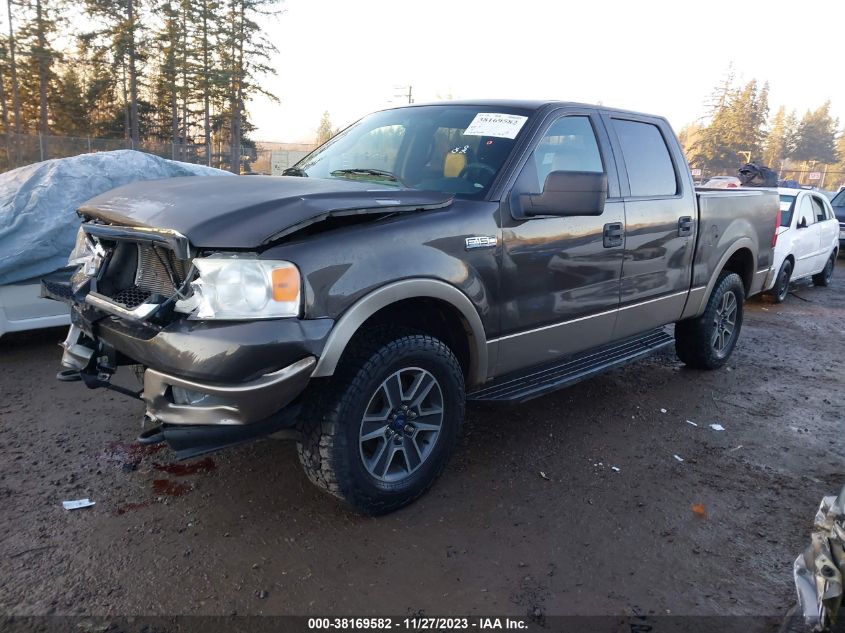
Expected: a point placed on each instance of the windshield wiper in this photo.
(295, 171)
(366, 171)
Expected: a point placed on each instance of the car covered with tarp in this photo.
(38, 222)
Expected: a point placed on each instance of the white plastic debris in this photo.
(663, 411)
(678, 457)
(616, 469)
(77, 503)
(717, 427)
(544, 476)
(691, 422)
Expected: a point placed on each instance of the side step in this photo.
(538, 381)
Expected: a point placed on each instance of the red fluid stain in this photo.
(170, 488)
(206, 465)
(130, 507)
(121, 453)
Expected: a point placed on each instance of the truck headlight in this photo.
(240, 289)
(86, 253)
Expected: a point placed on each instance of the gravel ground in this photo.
(530, 519)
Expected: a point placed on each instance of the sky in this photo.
(351, 57)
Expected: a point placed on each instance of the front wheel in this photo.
(823, 278)
(707, 342)
(382, 430)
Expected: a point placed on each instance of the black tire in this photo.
(696, 339)
(823, 278)
(332, 449)
(780, 290)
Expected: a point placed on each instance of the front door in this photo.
(560, 275)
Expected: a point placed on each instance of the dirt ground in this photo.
(531, 517)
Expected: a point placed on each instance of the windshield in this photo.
(787, 204)
(451, 148)
(838, 203)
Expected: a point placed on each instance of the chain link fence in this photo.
(17, 150)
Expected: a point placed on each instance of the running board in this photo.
(538, 381)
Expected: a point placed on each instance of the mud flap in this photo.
(192, 440)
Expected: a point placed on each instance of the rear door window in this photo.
(651, 172)
(787, 205)
(821, 212)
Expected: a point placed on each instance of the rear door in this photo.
(828, 231)
(807, 236)
(661, 222)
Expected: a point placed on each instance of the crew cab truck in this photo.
(425, 256)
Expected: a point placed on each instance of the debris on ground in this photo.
(77, 503)
(819, 569)
(663, 411)
(717, 427)
(691, 423)
(544, 476)
(698, 510)
(616, 469)
(678, 457)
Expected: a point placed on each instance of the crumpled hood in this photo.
(249, 211)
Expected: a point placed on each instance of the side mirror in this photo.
(568, 193)
(802, 223)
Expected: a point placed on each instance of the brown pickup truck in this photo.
(425, 256)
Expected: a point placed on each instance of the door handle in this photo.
(612, 235)
(685, 226)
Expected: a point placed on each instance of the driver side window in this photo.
(568, 145)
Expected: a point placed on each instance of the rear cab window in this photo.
(651, 172)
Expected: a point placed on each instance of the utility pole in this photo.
(404, 95)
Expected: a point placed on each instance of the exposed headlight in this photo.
(239, 289)
(86, 253)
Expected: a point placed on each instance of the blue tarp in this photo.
(38, 221)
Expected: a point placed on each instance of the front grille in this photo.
(157, 269)
(131, 298)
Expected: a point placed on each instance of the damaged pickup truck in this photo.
(426, 255)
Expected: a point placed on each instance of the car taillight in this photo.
(777, 226)
(731, 185)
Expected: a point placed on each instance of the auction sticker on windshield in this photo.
(496, 124)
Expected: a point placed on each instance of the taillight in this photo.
(777, 226)
(732, 185)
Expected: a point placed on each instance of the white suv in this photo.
(807, 241)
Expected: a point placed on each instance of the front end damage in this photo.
(206, 383)
(819, 570)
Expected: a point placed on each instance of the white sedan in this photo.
(807, 241)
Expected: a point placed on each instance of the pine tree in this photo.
(324, 131)
(780, 141)
(816, 136)
(244, 56)
(123, 29)
(13, 71)
(68, 105)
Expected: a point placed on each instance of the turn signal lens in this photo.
(285, 284)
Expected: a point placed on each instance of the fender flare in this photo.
(367, 306)
(743, 242)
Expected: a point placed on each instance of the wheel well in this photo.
(428, 316)
(742, 263)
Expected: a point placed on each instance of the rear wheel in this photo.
(781, 287)
(823, 278)
(381, 431)
(707, 342)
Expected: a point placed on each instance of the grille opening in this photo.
(136, 272)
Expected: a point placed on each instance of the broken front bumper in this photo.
(207, 385)
(174, 400)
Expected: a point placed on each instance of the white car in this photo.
(22, 308)
(807, 241)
